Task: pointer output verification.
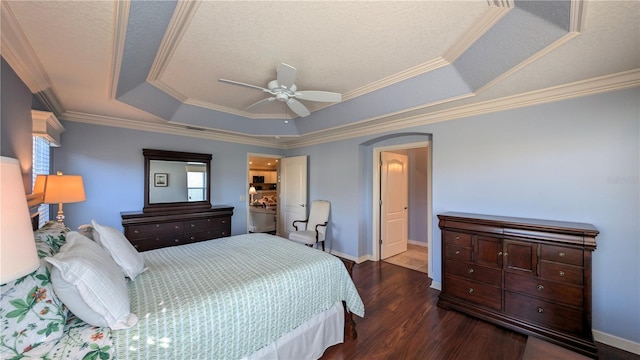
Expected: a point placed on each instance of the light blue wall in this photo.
(15, 112)
(111, 164)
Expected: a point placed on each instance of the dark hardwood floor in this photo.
(402, 321)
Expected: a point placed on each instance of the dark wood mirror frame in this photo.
(151, 154)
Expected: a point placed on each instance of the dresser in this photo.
(532, 276)
(147, 231)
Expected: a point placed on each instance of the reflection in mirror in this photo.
(177, 181)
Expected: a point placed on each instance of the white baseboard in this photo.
(617, 342)
(417, 243)
(436, 285)
(357, 260)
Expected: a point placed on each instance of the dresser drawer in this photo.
(458, 253)
(549, 290)
(199, 225)
(478, 293)
(561, 254)
(457, 238)
(563, 273)
(156, 242)
(542, 312)
(151, 230)
(474, 272)
(206, 235)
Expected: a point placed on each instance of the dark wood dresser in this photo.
(531, 276)
(147, 231)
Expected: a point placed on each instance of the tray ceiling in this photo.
(154, 65)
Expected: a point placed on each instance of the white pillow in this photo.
(120, 249)
(91, 284)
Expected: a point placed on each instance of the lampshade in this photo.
(252, 191)
(60, 189)
(63, 189)
(18, 254)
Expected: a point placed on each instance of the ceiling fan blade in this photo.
(324, 96)
(298, 108)
(263, 101)
(286, 75)
(243, 84)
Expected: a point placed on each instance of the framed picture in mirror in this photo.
(161, 179)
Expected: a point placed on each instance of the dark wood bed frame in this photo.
(34, 201)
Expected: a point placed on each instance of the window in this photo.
(41, 160)
(195, 185)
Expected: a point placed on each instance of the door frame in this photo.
(247, 181)
(375, 221)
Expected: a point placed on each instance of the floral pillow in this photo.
(49, 238)
(31, 313)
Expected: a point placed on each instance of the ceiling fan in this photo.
(283, 89)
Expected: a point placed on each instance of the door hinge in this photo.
(380, 241)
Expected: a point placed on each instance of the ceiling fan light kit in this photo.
(284, 90)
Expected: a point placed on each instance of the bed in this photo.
(252, 296)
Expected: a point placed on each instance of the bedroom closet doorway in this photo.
(263, 175)
(404, 224)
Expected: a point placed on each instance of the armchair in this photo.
(312, 230)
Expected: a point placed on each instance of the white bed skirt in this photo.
(309, 340)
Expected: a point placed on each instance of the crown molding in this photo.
(497, 9)
(387, 123)
(119, 38)
(210, 106)
(167, 128)
(553, 46)
(613, 82)
(17, 51)
(180, 20)
(576, 20)
(396, 78)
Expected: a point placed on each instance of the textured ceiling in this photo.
(154, 65)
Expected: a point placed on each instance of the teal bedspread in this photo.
(227, 298)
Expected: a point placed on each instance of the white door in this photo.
(394, 184)
(293, 193)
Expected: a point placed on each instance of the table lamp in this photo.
(252, 191)
(60, 189)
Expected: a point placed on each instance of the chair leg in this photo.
(322, 245)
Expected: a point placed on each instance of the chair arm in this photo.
(317, 233)
(298, 221)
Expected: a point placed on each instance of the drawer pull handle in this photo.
(499, 253)
(193, 238)
(157, 225)
(470, 290)
(457, 237)
(561, 254)
(193, 225)
(136, 232)
(506, 253)
(176, 240)
(457, 252)
(540, 310)
(224, 221)
(135, 246)
(561, 273)
(224, 233)
(540, 287)
(176, 227)
(470, 271)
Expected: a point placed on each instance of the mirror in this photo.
(176, 180)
